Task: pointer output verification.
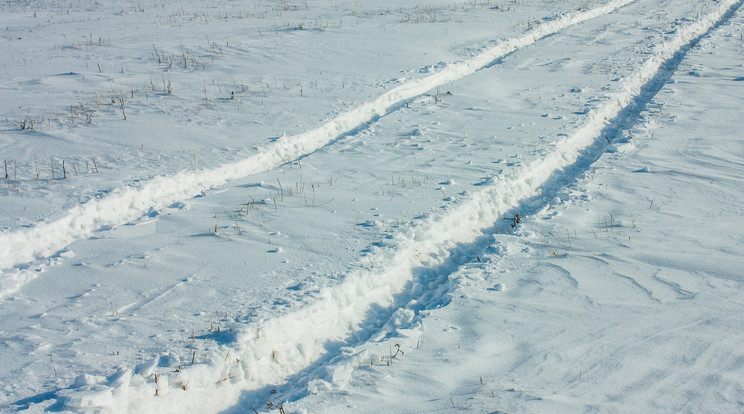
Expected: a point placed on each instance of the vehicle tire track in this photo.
(47, 238)
(283, 348)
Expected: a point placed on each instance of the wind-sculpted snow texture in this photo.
(444, 310)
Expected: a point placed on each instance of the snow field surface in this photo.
(324, 334)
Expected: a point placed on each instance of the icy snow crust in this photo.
(377, 262)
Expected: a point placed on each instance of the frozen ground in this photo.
(316, 215)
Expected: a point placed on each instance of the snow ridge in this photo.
(48, 238)
(273, 350)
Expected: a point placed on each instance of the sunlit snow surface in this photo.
(309, 206)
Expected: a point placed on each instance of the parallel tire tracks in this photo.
(47, 238)
(291, 342)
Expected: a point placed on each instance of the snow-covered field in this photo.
(342, 206)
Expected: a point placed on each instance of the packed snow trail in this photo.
(273, 350)
(46, 239)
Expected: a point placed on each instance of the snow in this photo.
(466, 206)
